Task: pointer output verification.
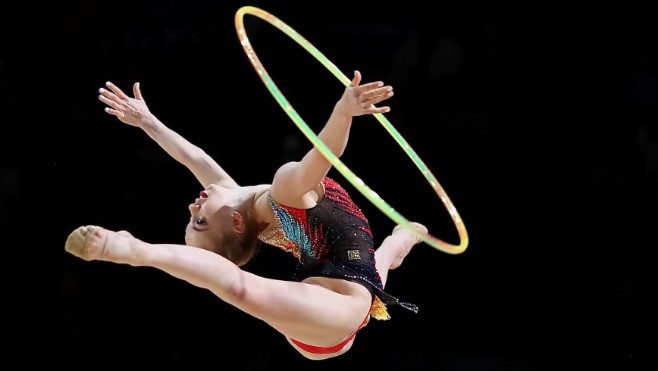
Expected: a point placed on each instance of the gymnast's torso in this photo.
(331, 239)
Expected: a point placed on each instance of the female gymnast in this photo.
(339, 281)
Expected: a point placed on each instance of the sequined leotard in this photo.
(332, 239)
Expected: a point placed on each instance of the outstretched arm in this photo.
(297, 178)
(135, 112)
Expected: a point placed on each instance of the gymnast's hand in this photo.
(360, 100)
(132, 111)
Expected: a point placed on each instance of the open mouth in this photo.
(203, 194)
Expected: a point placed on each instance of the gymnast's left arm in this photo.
(135, 112)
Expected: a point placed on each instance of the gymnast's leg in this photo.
(395, 248)
(309, 312)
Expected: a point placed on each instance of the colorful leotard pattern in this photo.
(332, 239)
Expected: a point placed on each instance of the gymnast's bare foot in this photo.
(410, 241)
(91, 242)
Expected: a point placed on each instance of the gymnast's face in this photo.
(209, 214)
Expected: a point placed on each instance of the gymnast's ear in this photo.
(238, 222)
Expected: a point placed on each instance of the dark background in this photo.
(540, 124)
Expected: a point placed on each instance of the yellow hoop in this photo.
(337, 163)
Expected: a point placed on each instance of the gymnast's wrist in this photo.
(151, 124)
(341, 112)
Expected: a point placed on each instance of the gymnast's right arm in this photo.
(134, 112)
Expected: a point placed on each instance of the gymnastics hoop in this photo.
(326, 152)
